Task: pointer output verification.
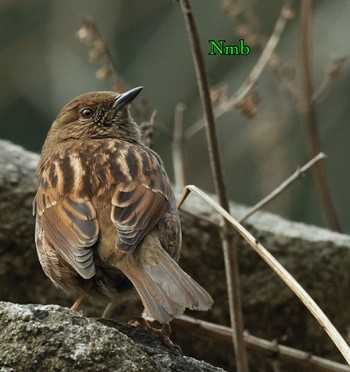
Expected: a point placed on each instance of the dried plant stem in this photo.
(90, 33)
(277, 268)
(334, 71)
(147, 130)
(309, 115)
(274, 194)
(229, 249)
(269, 349)
(254, 75)
(283, 186)
(178, 141)
(287, 85)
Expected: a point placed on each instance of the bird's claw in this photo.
(164, 332)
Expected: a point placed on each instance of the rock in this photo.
(53, 338)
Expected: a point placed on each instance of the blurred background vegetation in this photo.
(44, 65)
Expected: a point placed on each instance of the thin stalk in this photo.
(283, 186)
(178, 150)
(268, 349)
(253, 76)
(288, 279)
(229, 249)
(308, 114)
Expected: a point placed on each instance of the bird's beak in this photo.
(126, 98)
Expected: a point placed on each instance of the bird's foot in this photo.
(164, 332)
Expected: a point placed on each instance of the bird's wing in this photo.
(70, 225)
(139, 204)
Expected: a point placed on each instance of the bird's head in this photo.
(96, 115)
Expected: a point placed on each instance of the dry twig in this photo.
(147, 130)
(178, 151)
(90, 34)
(229, 249)
(283, 186)
(333, 72)
(286, 75)
(270, 349)
(308, 113)
(270, 197)
(277, 268)
(249, 25)
(254, 75)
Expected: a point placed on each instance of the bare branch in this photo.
(270, 349)
(147, 130)
(90, 34)
(178, 151)
(287, 278)
(229, 249)
(308, 113)
(333, 72)
(283, 73)
(276, 192)
(254, 75)
(247, 24)
(283, 186)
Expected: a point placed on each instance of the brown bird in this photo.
(105, 212)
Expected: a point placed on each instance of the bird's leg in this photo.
(109, 310)
(164, 332)
(77, 303)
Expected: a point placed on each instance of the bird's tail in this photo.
(165, 289)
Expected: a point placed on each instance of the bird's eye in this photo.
(87, 113)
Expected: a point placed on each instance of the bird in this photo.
(106, 218)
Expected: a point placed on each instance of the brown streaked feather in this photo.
(141, 196)
(72, 229)
(134, 213)
(140, 204)
(170, 231)
(60, 272)
(67, 220)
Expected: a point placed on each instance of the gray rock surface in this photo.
(52, 338)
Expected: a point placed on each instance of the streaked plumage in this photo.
(104, 208)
